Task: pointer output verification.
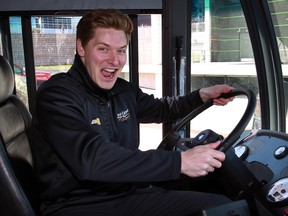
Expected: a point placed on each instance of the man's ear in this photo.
(80, 49)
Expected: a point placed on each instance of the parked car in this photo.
(41, 76)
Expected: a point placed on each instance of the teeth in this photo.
(109, 70)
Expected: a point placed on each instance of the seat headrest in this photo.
(6, 79)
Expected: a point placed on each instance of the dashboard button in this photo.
(281, 152)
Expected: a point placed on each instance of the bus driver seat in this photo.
(18, 188)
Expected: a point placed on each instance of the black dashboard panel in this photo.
(265, 153)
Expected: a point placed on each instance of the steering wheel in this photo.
(173, 139)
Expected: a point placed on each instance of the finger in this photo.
(219, 102)
(207, 169)
(222, 101)
(227, 88)
(216, 156)
(213, 145)
(216, 163)
(219, 157)
(227, 100)
(210, 169)
(203, 173)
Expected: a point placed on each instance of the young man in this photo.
(85, 140)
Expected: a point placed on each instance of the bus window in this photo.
(221, 53)
(54, 42)
(279, 16)
(18, 59)
(150, 71)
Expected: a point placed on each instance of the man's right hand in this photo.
(201, 160)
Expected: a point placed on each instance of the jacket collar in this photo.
(79, 72)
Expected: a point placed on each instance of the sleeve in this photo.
(84, 151)
(154, 110)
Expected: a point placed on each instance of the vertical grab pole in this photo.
(178, 59)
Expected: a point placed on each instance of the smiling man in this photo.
(104, 56)
(85, 136)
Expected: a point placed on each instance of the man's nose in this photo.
(113, 58)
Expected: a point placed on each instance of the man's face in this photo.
(104, 56)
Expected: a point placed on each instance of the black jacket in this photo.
(85, 139)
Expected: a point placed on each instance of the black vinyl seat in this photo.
(18, 188)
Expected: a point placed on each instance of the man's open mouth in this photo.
(108, 73)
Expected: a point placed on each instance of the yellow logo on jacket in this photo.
(96, 121)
